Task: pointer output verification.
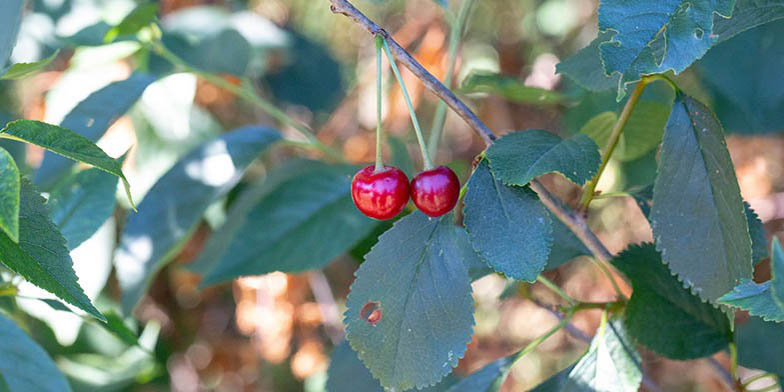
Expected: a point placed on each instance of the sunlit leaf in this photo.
(510, 88)
(9, 195)
(141, 16)
(21, 70)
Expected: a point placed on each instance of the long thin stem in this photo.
(557, 290)
(422, 147)
(455, 36)
(734, 361)
(536, 342)
(379, 102)
(615, 136)
(247, 93)
(602, 265)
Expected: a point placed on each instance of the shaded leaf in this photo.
(520, 157)
(777, 273)
(10, 21)
(747, 14)
(696, 192)
(611, 363)
(24, 365)
(759, 243)
(566, 246)
(225, 52)
(9, 195)
(21, 70)
(755, 298)
(656, 36)
(116, 325)
(586, 69)
(285, 230)
(510, 88)
(490, 378)
(174, 205)
(41, 256)
(90, 119)
(81, 204)
(663, 315)
(556, 383)
(508, 226)
(141, 16)
(760, 344)
(409, 315)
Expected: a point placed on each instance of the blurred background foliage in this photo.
(276, 332)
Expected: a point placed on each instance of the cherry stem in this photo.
(421, 140)
(379, 159)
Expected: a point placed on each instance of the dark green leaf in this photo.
(747, 14)
(20, 70)
(663, 315)
(696, 192)
(759, 244)
(10, 21)
(777, 273)
(91, 118)
(409, 315)
(81, 204)
(116, 325)
(755, 298)
(555, 383)
(487, 379)
(224, 52)
(41, 256)
(174, 205)
(508, 226)
(141, 16)
(56, 305)
(66, 143)
(747, 93)
(611, 364)
(9, 195)
(24, 365)
(520, 157)
(566, 246)
(760, 344)
(347, 373)
(586, 69)
(656, 36)
(4, 385)
(285, 230)
(510, 88)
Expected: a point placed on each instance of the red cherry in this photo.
(435, 192)
(380, 195)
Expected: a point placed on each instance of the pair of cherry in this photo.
(382, 194)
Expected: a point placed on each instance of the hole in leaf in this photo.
(698, 33)
(371, 313)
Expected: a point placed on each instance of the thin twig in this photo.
(724, 373)
(319, 285)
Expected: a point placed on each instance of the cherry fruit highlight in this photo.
(380, 195)
(435, 191)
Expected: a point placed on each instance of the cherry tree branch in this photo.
(575, 222)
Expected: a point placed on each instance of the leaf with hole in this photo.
(696, 192)
(24, 365)
(519, 157)
(409, 315)
(663, 315)
(586, 69)
(41, 256)
(508, 226)
(175, 204)
(746, 15)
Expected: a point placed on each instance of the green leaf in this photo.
(10, 21)
(41, 256)
(24, 365)
(520, 157)
(116, 326)
(777, 273)
(174, 206)
(510, 88)
(81, 204)
(9, 195)
(663, 315)
(759, 244)
(141, 16)
(490, 378)
(66, 143)
(566, 246)
(556, 383)
(494, 216)
(285, 230)
(755, 298)
(696, 192)
(409, 315)
(586, 69)
(90, 119)
(21, 70)
(226, 51)
(610, 365)
(656, 36)
(642, 133)
(760, 344)
(747, 14)
(4, 385)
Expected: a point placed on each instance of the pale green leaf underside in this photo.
(416, 277)
(755, 298)
(520, 157)
(508, 226)
(9, 195)
(696, 192)
(24, 365)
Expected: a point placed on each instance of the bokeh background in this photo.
(276, 332)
